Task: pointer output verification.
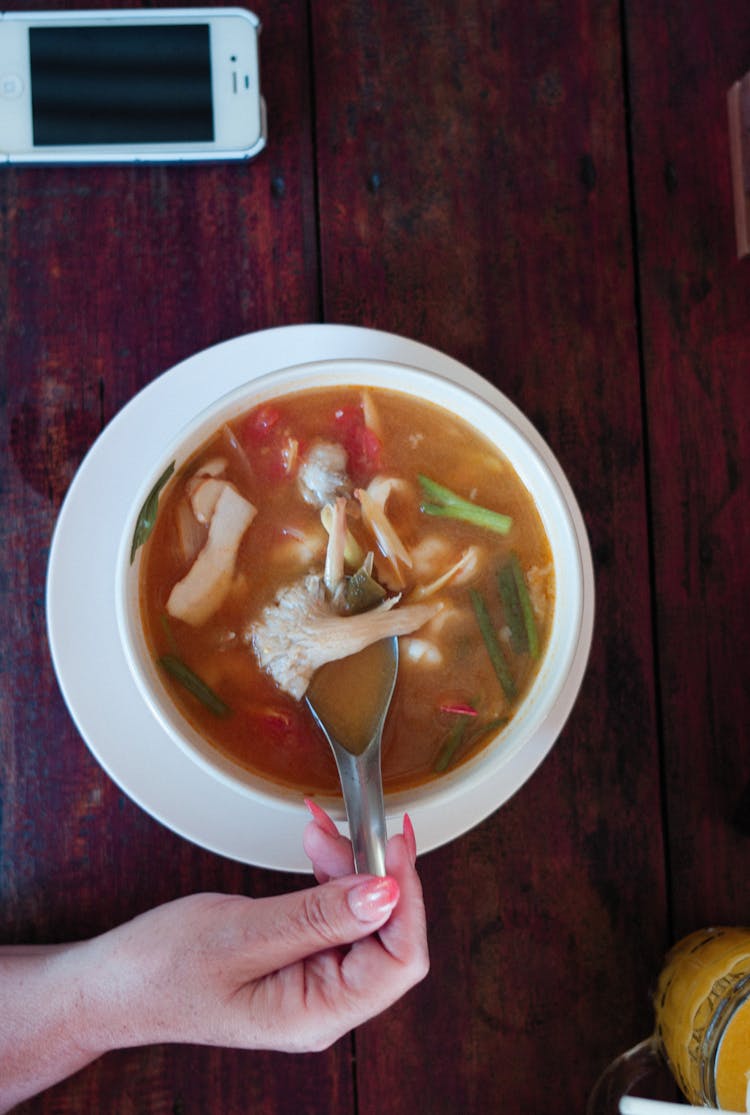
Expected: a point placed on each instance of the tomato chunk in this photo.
(267, 441)
(362, 445)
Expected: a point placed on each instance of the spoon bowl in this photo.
(349, 700)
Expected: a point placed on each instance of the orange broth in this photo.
(269, 732)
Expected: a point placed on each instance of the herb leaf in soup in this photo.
(448, 505)
(147, 514)
(361, 591)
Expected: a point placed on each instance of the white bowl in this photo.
(518, 748)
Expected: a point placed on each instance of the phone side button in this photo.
(11, 86)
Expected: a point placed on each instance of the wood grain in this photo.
(695, 300)
(542, 191)
(108, 277)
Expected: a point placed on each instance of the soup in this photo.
(350, 694)
(312, 526)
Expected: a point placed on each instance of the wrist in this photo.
(43, 1028)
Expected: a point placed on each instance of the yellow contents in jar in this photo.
(733, 1062)
(700, 972)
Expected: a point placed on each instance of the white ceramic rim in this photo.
(122, 733)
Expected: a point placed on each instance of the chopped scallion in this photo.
(450, 747)
(195, 685)
(457, 739)
(492, 644)
(443, 503)
(483, 729)
(518, 609)
(169, 633)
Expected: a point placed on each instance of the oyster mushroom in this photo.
(203, 589)
(300, 631)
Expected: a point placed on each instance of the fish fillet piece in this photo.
(299, 632)
(203, 589)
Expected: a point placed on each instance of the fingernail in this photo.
(410, 838)
(321, 817)
(373, 900)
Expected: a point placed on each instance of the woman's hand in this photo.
(292, 973)
(272, 973)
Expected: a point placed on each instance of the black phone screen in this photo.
(143, 84)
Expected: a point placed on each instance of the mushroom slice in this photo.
(376, 520)
(299, 632)
(458, 573)
(202, 591)
(204, 496)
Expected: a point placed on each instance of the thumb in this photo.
(339, 912)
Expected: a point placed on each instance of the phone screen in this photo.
(99, 85)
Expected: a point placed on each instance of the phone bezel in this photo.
(238, 107)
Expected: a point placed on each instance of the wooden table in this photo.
(543, 192)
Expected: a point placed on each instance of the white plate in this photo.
(101, 695)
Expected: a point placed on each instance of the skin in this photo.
(213, 969)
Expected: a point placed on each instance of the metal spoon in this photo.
(353, 725)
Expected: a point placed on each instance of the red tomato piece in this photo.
(265, 439)
(258, 426)
(362, 445)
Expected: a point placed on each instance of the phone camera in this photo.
(11, 86)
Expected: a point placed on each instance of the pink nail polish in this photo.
(321, 817)
(371, 901)
(410, 838)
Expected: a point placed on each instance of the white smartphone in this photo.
(153, 85)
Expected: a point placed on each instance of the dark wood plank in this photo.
(696, 308)
(107, 277)
(474, 194)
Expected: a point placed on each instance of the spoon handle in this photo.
(362, 786)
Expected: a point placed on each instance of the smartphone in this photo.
(152, 85)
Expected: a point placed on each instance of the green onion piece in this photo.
(147, 514)
(446, 504)
(457, 736)
(478, 516)
(483, 729)
(532, 633)
(512, 610)
(195, 685)
(494, 649)
(169, 633)
(450, 747)
(518, 608)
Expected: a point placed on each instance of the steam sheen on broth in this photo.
(332, 511)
